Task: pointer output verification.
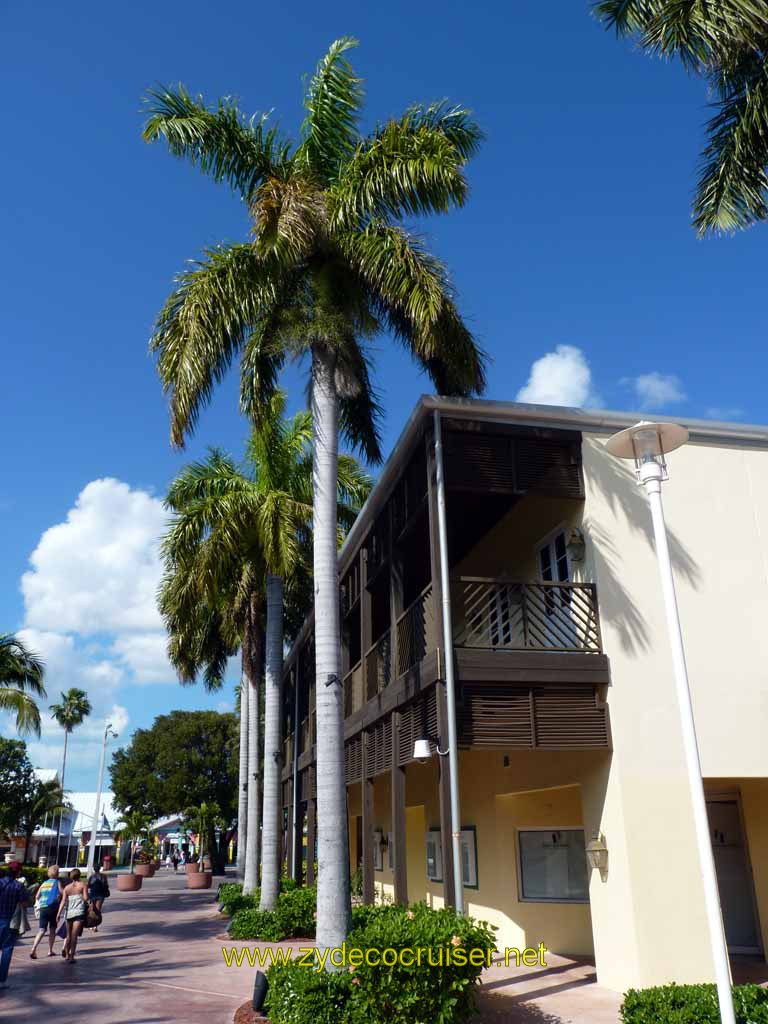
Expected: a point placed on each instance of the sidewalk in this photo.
(156, 960)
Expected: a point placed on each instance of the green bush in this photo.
(692, 1004)
(293, 917)
(364, 913)
(439, 989)
(32, 875)
(301, 995)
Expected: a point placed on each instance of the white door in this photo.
(734, 879)
(554, 567)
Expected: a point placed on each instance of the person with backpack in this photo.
(98, 891)
(47, 902)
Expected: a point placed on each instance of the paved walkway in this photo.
(156, 960)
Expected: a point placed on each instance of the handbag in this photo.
(92, 917)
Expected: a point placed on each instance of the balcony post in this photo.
(295, 834)
(365, 620)
(367, 803)
(398, 816)
(311, 831)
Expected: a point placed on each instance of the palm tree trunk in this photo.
(253, 649)
(63, 771)
(272, 833)
(333, 895)
(242, 799)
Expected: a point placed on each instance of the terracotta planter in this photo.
(155, 864)
(199, 880)
(192, 868)
(143, 870)
(128, 883)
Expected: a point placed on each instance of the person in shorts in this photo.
(47, 902)
(74, 906)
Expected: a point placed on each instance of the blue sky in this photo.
(574, 261)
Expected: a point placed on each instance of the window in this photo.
(469, 856)
(434, 856)
(553, 865)
(378, 856)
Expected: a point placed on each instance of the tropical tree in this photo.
(21, 680)
(135, 827)
(45, 798)
(727, 44)
(71, 711)
(329, 266)
(203, 819)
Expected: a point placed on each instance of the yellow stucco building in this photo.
(566, 715)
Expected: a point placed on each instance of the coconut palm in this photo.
(21, 680)
(71, 711)
(46, 798)
(329, 266)
(726, 43)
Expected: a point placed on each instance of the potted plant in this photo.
(135, 825)
(201, 820)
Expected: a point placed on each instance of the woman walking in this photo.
(47, 903)
(98, 889)
(74, 907)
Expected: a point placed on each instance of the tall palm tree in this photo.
(328, 267)
(259, 514)
(242, 782)
(726, 42)
(21, 680)
(71, 711)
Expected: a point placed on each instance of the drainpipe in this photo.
(450, 679)
(295, 788)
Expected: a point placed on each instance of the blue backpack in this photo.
(48, 893)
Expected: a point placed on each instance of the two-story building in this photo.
(566, 715)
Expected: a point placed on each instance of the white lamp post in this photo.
(108, 731)
(647, 444)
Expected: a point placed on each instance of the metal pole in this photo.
(450, 682)
(651, 476)
(92, 851)
(295, 850)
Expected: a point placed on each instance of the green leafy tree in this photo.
(70, 712)
(21, 680)
(44, 800)
(17, 784)
(726, 42)
(185, 759)
(328, 267)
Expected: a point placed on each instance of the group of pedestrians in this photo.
(60, 909)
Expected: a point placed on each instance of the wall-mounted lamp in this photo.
(576, 545)
(597, 854)
(422, 751)
(381, 840)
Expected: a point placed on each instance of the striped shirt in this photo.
(11, 894)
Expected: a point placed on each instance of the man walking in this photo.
(12, 894)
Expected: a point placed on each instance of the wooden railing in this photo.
(415, 631)
(378, 666)
(353, 689)
(503, 614)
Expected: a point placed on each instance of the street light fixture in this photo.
(647, 444)
(108, 731)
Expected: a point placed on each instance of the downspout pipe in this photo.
(295, 851)
(450, 676)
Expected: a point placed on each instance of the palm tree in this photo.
(21, 676)
(242, 782)
(257, 515)
(135, 825)
(329, 267)
(727, 44)
(46, 798)
(73, 708)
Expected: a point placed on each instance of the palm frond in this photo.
(20, 666)
(204, 324)
(408, 167)
(333, 98)
(224, 143)
(733, 184)
(23, 707)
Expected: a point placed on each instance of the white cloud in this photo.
(655, 390)
(562, 377)
(145, 655)
(717, 412)
(99, 570)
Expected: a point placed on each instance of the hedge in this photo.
(440, 990)
(692, 1004)
(293, 917)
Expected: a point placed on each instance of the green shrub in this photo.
(293, 917)
(692, 1004)
(301, 995)
(31, 875)
(288, 884)
(419, 994)
(364, 913)
(441, 990)
(356, 882)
